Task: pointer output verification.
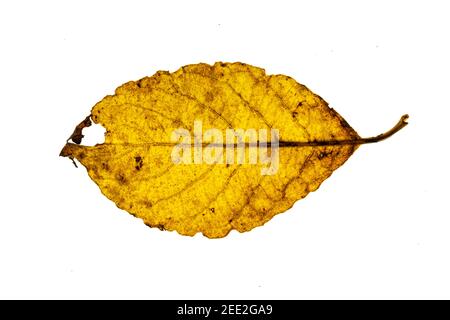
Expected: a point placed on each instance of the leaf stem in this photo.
(400, 124)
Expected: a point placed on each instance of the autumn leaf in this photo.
(300, 142)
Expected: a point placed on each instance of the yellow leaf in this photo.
(196, 150)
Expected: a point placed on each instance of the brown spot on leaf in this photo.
(139, 162)
(121, 178)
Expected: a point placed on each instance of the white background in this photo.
(379, 227)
